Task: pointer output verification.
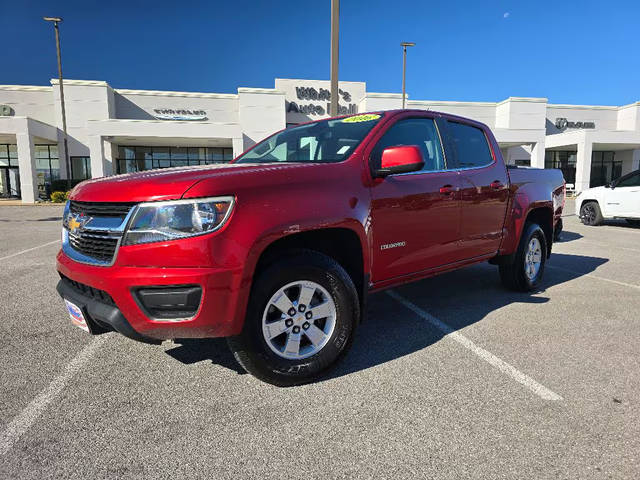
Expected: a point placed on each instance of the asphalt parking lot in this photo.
(451, 377)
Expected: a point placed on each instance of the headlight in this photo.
(161, 221)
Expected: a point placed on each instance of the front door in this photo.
(414, 216)
(624, 199)
(9, 182)
(484, 190)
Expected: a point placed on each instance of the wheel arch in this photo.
(342, 244)
(345, 244)
(588, 199)
(539, 212)
(543, 216)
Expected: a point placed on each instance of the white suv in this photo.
(621, 199)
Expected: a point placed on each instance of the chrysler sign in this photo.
(182, 114)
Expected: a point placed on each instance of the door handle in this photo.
(496, 185)
(446, 190)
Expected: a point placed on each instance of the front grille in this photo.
(101, 209)
(87, 291)
(100, 230)
(95, 244)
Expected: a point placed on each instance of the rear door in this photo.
(414, 216)
(484, 189)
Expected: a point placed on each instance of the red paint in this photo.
(442, 220)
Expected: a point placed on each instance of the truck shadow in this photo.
(566, 236)
(391, 331)
(459, 299)
(214, 350)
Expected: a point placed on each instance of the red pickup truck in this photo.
(279, 249)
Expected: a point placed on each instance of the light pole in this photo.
(404, 67)
(55, 21)
(335, 26)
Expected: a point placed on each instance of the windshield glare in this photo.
(326, 141)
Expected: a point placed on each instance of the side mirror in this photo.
(401, 159)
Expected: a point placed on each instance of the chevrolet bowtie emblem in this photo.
(77, 222)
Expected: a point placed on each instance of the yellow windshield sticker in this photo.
(361, 118)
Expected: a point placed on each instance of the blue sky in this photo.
(570, 52)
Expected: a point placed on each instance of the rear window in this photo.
(471, 145)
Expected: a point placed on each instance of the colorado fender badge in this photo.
(387, 246)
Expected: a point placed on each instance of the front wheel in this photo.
(590, 214)
(524, 272)
(300, 320)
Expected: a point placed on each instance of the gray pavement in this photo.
(407, 401)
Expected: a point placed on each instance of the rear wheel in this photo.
(557, 232)
(524, 272)
(590, 214)
(300, 320)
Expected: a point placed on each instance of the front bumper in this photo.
(100, 316)
(217, 316)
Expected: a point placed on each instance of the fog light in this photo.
(169, 303)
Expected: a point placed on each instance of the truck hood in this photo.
(165, 184)
(593, 191)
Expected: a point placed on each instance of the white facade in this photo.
(117, 130)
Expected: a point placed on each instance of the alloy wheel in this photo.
(533, 259)
(588, 214)
(299, 320)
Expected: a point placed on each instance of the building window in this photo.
(604, 168)
(137, 159)
(47, 167)
(525, 162)
(9, 173)
(8, 155)
(80, 168)
(565, 161)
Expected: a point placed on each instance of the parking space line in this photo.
(28, 250)
(509, 370)
(21, 423)
(601, 245)
(589, 243)
(631, 285)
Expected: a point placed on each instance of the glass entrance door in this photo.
(9, 182)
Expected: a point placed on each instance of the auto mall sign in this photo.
(316, 96)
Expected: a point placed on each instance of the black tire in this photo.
(590, 214)
(633, 222)
(250, 348)
(557, 232)
(513, 274)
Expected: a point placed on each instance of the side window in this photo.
(471, 145)
(413, 131)
(631, 181)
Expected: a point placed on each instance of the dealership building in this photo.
(113, 131)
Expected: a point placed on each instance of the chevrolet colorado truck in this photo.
(279, 249)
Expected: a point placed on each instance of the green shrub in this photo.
(59, 197)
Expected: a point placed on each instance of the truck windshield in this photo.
(326, 141)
